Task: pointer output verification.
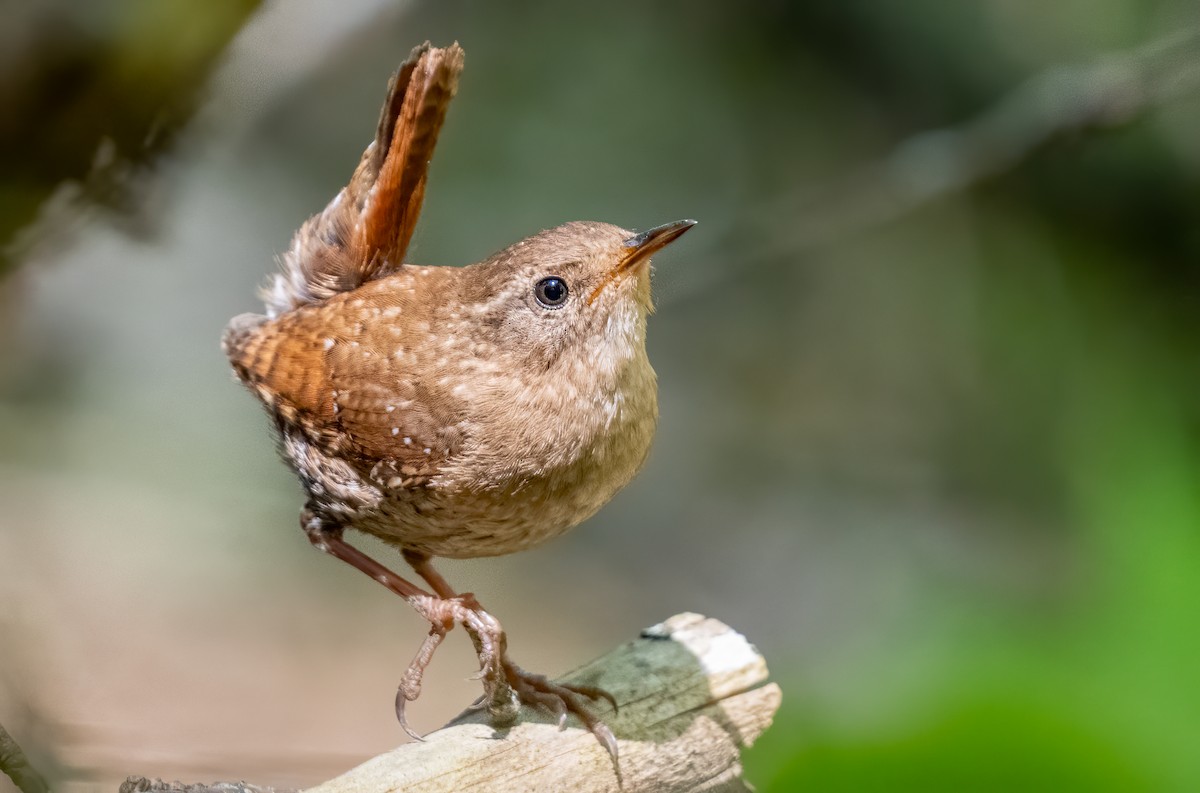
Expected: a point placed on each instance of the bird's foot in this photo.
(562, 700)
(488, 637)
(506, 686)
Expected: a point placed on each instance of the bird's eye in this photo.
(551, 292)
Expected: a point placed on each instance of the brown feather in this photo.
(338, 371)
(364, 232)
(393, 205)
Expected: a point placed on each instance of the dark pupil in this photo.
(552, 291)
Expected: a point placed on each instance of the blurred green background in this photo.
(929, 375)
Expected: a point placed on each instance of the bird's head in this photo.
(580, 291)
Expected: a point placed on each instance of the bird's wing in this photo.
(390, 415)
(347, 373)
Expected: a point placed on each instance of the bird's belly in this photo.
(468, 525)
(468, 520)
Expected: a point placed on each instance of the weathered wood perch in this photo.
(692, 693)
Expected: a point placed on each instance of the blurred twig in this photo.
(16, 766)
(1065, 100)
(1062, 101)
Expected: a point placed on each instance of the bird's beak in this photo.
(641, 247)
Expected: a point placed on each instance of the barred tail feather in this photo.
(365, 230)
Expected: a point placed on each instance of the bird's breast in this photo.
(553, 460)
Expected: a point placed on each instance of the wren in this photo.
(453, 412)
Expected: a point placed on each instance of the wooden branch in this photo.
(692, 694)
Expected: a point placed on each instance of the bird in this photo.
(453, 412)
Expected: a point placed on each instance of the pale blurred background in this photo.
(929, 375)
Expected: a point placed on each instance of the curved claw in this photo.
(402, 701)
(606, 738)
(609, 741)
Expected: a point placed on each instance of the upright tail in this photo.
(364, 231)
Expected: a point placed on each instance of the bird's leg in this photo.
(505, 683)
(490, 645)
(422, 565)
(441, 612)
